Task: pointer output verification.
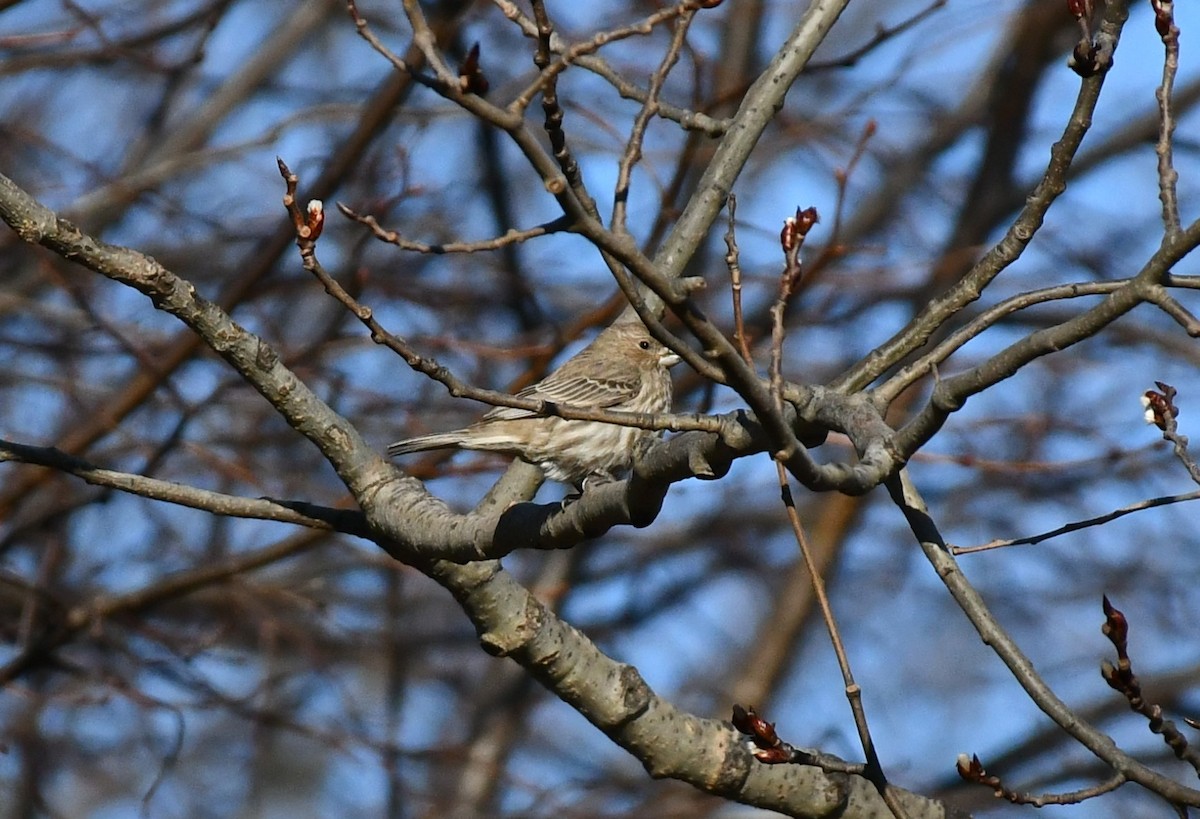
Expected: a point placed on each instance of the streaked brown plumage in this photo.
(623, 369)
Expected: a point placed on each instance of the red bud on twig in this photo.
(1164, 16)
(796, 228)
(470, 74)
(314, 219)
(1116, 627)
(1160, 406)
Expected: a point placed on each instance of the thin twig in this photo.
(1162, 412)
(972, 770)
(549, 71)
(553, 112)
(1161, 298)
(874, 769)
(633, 147)
(795, 230)
(687, 119)
(511, 238)
(882, 35)
(1168, 177)
(1078, 525)
(732, 261)
(218, 503)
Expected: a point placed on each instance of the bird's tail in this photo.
(439, 440)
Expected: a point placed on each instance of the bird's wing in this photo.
(574, 391)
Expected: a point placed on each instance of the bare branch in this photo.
(315, 517)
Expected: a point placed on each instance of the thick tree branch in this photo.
(616, 699)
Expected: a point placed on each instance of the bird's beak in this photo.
(669, 359)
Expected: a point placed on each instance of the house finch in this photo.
(624, 369)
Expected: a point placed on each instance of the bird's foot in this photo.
(597, 479)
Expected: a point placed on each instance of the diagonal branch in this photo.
(906, 496)
(616, 699)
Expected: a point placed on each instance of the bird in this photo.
(624, 369)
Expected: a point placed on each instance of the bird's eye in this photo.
(645, 345)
